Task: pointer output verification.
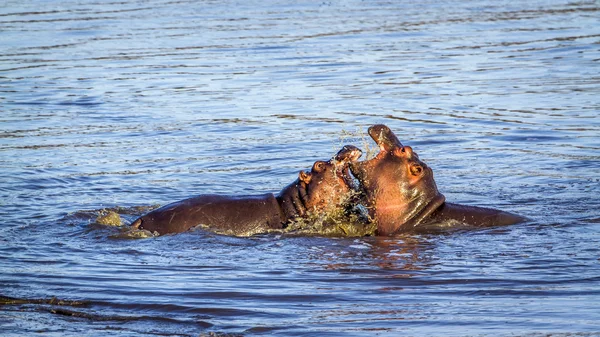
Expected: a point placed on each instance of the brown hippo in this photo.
(325, 188)
(402, 196)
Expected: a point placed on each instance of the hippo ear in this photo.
(319, 166)
(305, 177)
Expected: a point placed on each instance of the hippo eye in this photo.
(416, 170)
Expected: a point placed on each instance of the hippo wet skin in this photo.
(325, 188)
(402, 196)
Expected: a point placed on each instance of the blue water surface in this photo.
(126, 105)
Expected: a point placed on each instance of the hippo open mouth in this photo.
(346, 157)
(328, 186)
(399, 188)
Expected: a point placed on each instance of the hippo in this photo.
(326, 188)
(401, 194)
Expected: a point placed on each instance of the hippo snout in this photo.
(348, 153)
(378, 128)
(384, 137)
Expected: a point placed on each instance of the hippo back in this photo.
(234, 215)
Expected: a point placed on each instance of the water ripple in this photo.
(124, 106)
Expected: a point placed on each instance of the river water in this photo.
(127, 105)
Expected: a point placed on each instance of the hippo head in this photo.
(328, 185)
(399, 188)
